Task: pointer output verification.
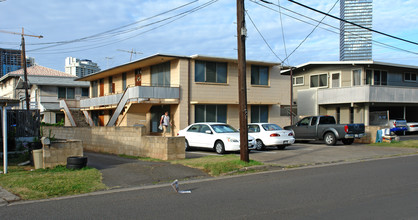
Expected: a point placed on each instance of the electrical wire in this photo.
(284, 39)
(265, 41)
(337, 28)
(352, 23)
(300, 44)
(167, 20)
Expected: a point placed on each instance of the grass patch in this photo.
(49, 183)
(409, 144)
(217, 165)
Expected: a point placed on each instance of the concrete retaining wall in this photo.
(57, 152)
(122, 140)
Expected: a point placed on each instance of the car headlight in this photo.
(231, 139)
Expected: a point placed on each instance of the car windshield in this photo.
(271, 127)
(223, 128)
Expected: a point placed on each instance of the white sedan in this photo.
(267, 134)
(412, 126)
(218, 136)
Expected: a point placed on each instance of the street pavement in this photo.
(376, 189)
(121, 172)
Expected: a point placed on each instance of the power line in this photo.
(311, 31)
(352, 23)
(265, 41)
(352, 33)
(102, 44)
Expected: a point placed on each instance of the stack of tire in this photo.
(76, 162)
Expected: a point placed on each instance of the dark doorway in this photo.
(156, 113)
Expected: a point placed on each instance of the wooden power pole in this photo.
(242, 88)
(23, 61)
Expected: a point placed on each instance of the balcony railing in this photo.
(386, 94)
(137, 92)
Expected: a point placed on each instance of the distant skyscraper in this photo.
(80, 68)
(10, 60)
(356, 42)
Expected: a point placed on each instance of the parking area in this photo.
(318, 153)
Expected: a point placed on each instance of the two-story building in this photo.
(366, 92)
(46, 87)
(191, 88)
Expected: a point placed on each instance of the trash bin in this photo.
(38, 158)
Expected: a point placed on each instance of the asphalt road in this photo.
(378, 189)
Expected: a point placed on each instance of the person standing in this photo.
(165, 122)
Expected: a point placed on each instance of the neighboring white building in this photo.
(47, 87)
(80, 68)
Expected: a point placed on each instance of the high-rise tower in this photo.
(356, 42)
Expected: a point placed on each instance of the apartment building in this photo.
(191, 88)
(80, 67)
(368, 92)
(47, 87)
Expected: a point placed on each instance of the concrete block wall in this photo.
(122, 140)
(57, 152)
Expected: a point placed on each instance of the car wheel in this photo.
(281, 147)
(219, 147)
(347, 141)
(259, 145)
(186, 145)
(330, 138)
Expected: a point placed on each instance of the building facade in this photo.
(47, 87)
(356, 42)
(10, 60)
(366, 92)
(191, 88)
(80, 67)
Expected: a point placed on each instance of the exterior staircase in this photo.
(79, 118)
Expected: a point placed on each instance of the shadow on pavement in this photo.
(120, 172)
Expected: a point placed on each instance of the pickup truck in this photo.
(325, 128)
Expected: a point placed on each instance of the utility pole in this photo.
(131, 52)
(242, 82)
(23, 61)
(291, 95)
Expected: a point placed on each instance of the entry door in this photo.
(138, 78)
(156, 113)
(101, 120)
(101, 87)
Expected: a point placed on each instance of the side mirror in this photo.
(208, 132)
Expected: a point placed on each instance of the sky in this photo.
(105, 30)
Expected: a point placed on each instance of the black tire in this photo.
(76, 160)
(330, 139)
(75, 166)
(281, 147)
(186, 145)
(347, 141)
(259, 145)
(219, 147)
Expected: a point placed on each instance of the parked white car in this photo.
(218, 136)
(267, 134)
(412, 126)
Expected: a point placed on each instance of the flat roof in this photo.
(156, 59)
(364, 62)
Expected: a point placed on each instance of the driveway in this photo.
(123, 172)
(316, 153)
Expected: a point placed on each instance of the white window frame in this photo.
(339, 79)
(318, 74)
(409, 80)
(352, 77)
(300, 84)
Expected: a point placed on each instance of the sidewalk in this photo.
(6, 197)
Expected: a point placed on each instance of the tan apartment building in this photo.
(191, 88)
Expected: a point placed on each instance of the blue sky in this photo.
(209, 31)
